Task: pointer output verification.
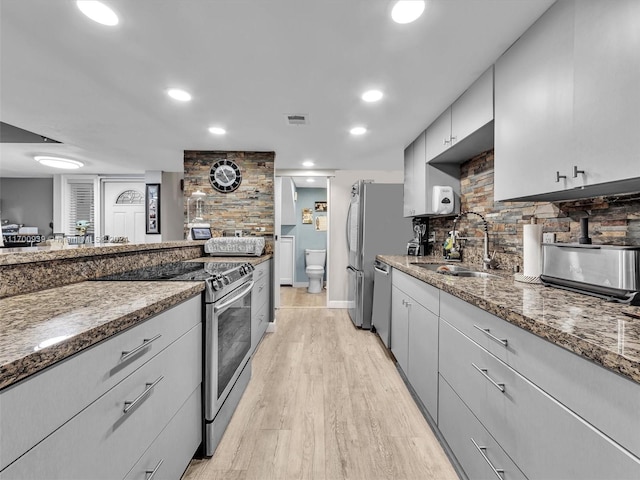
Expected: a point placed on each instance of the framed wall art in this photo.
(152, 208)
(321, 206)
(307, 215)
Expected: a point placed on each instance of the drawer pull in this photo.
(151, 473)
(483, 371)
(498, 471)
(145, 343)
(488, 333)
(129, 405)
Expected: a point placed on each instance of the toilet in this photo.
(314, 259)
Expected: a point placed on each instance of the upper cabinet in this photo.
(466, 127)
(288, 202)
(567, 104)
(415, 200)
(420, 178)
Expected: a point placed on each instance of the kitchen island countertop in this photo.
(604, 332)
(41, 328)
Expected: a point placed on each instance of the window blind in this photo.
(81, 206)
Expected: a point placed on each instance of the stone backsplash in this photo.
(250, 208)
(613, 220)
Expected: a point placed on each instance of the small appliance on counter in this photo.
(606, 271)
(234, 246)
(417, 245)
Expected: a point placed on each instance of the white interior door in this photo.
(124, 210)
(287, 259)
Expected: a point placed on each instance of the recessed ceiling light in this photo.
(407, 11)
(98, 12)
(57, 162)
(372, 95)
(178, 94)
(310, 180)
(358, 131)
(217, 130)
(308, 163)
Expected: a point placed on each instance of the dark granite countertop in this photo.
(603, 332)
(79, 315)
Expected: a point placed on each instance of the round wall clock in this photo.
(225, 176)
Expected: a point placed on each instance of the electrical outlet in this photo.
(549, 237)
(238, 233)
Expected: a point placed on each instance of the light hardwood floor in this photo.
(325, 402)
(298, 297)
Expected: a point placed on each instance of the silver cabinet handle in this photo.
(150, 473)
(498, 471)
(379, 270)
(558, 177)
(488, 333)
(145, 343)
(483, 371)
(129, 405)
(576, 171)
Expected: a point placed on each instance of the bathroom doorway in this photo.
(302, 223)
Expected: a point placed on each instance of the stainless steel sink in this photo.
(442, 267)
(454, 270)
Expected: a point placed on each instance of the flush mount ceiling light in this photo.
(308, 163)
(179, 95)
(310, 180)
(98, 12)
(57, 162)
(372, 95)
(358, 131)
(407, 11)
(217, 130)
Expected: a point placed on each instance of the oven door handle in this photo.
(223, 305)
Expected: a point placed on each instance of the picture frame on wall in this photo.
(307, 215)
(152, 208)
(321, 206)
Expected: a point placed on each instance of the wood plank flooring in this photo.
(298, 297)
(325, 402)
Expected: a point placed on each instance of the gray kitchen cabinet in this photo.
(288, 202)
(543, 437)
(606, 92)
(415, 200)
(420, 178)
(459, 132)
(399, 327)
(260, 302)
(68, 421)
(534, 107)
(414, 341)
(480, 456)
(567, 109)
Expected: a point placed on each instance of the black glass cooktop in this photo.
(178, 271)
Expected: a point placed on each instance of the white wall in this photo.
(171, 206)
(339, 199)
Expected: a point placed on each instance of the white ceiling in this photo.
(101, 90)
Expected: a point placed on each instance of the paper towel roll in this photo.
(532, 250)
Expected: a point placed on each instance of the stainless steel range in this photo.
(227, 333)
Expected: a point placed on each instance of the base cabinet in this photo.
(115, 430)
(260, 302)
(414, 335)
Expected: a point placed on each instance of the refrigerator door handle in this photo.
(347, 230)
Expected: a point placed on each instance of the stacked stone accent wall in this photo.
(249, 208)
(613, 220)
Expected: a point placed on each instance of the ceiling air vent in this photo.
(297, 119)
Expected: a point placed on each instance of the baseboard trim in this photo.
(271, 326)
(300, 284)
(339, 304)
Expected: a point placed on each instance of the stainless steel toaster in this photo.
(607, 271)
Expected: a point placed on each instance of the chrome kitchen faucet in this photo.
(487, 260)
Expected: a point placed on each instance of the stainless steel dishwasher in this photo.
(381, 315)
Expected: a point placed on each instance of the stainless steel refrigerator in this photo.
(375, 226)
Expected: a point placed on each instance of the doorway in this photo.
(302, 222)
(124, 210)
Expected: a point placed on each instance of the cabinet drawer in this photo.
(35, 407)
(260, 292)
(461, 429)
(581, 385)
(543, 437)
(103, 441)
(425, 294)
(171, 452)
(259, 323)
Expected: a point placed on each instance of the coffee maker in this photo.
(417, 246)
